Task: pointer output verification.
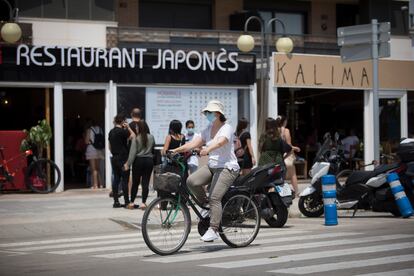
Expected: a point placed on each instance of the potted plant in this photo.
(37, 138)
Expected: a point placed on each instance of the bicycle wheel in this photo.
(240, 221)
(165, 225)
(43, 176)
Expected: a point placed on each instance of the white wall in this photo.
(61, 32)
(402, 48)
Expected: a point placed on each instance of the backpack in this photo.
(238, 149)
(99, 141)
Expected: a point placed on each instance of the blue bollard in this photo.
(329, 199)
(401, 199)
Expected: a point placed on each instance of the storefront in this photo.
(98, 83)
(320, 94)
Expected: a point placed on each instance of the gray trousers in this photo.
(221, 180)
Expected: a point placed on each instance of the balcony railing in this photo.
(209, 40)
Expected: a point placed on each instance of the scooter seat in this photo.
(359, 177)
(385, 168)
(241, 179)
(363, 176)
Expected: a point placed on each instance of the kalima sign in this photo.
(125, 58)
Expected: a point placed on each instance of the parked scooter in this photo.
(367, 190)
(272, 193)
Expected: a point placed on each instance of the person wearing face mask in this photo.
(222, 167)
(193, 160)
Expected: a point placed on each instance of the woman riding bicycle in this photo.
(222, 168)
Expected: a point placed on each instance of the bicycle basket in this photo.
(166, 179)
(167, 182)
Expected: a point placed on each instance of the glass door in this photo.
(393, 122)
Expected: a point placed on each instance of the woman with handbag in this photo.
(243, 147)
(272, 148)
(291, 158)
(141, 159)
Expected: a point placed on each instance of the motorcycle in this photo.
(367, 190)
(272, 193)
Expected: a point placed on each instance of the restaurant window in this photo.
(54, 9)
(68, 9)
(294, 22)
(175, 14)
(399, 18)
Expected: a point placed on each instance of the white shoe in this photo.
(210, 235)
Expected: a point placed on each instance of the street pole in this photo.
(262, 69)
(246, 43)
(375, 85)
(269, 92)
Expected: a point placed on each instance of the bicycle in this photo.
(166, 223)
(41, 176)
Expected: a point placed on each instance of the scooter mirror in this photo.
(336, 136)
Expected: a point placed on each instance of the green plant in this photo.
(37, 138)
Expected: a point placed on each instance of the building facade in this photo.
(67, 94)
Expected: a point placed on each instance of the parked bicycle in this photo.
(166, 223)
(41, 176)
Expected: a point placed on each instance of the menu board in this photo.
(166, 104)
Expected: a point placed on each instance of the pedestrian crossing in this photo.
(275, 251)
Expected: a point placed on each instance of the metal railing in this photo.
(210, 39)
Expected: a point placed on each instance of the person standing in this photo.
(141, 159)
(118, 145)
(247, 161)
(222, 168)
(93, 154)
(291, 158)
(271, 146)
(136, 117)
(351, 143)
(192, 162)
(174, 139)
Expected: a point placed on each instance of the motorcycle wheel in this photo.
(279, 218)
(311, 206)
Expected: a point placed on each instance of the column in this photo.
(272, 91)
(253, 119)
(368, 128)
(58, 131)
(404, 114)
(110, 113)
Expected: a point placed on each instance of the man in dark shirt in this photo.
(118, 144)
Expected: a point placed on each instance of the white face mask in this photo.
(190, 131)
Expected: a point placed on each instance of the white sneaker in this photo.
(210, 235)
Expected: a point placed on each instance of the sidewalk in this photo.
(73, 211)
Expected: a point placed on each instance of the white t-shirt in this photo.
(348, 142)
(224, 156)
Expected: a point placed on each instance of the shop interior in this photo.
(80, 108)
(313, 112)
(22, 108)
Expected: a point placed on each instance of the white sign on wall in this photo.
(166, 104)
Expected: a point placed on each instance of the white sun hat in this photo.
(214, 106)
